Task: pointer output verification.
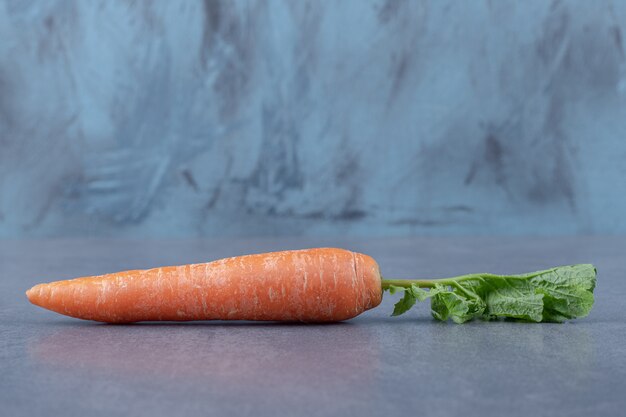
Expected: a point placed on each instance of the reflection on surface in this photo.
(226, 353)
(550, 345)
(495, 367)
(367, 364)
(480, 361)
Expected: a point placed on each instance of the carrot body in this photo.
(312, 285)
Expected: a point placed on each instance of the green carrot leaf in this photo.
(419, 293)
(567, 291)
(394, 289)
(405, 303)
(553, 295)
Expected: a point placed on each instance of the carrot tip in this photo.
(33, 294)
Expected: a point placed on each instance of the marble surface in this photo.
(372, 365)
(236, 118)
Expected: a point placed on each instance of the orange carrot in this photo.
(313, 285)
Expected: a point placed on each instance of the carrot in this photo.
(313, 285)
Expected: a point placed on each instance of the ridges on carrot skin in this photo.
(309, 285)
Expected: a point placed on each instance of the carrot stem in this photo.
(406, 283)
(429, 283)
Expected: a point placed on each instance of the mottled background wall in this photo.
(187, 118)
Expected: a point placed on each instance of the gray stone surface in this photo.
(212, 118)
(373, 365)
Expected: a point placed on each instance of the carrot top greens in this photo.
(553, 295)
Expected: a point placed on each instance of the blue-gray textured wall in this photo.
(187, 118)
